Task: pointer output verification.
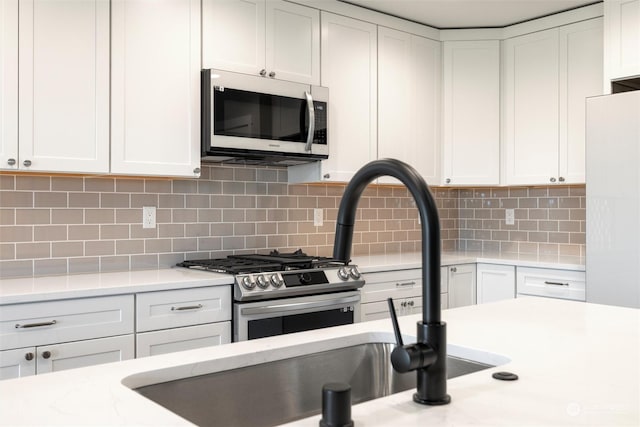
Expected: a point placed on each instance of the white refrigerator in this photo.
(613, 199)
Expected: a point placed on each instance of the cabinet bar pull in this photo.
(400, 285)
(187, 307)
(546, 282)
(35, 325)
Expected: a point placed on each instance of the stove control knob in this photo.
(276, 280)
(262, 282)
(247, 283)
(354, 273)
(343, 273)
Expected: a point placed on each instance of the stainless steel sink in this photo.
(277, 392)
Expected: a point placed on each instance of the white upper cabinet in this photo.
(8, 84)
(471, 134)
(155, 89)
(409, 102)
(349, 70)
(547, 76)
(272, 38)
(63, 86)
(622, 39)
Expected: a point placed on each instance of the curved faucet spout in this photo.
(428, 357)
(428, 216)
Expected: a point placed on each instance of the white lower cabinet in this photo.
(41, 337)
(186, 338)
(495, 282)
(545, 282)
(182, 319)
(404, 286)
(59, 357)
(461, 285)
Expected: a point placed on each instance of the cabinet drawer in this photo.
(183, 307)
(551, 283)
(187, 338)
(40, 323)
(394, 284)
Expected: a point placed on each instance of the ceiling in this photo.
(470, 13)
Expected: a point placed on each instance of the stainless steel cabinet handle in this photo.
(46, 354)
(326, 176)
(35, 325)
(29, 356)
(400, 285)
(454, 270)
(272, 74)
(561, 179)
(187, 307)
(312, 121)
(27, 163)
(552, 179)
(263, 72)
(283, 308)
(448, 180)
(410, 303)
(547, 282)
(11, 162)
(196, 171)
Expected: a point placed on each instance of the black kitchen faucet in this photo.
(429, 355)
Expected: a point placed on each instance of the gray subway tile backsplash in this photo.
(60, 224)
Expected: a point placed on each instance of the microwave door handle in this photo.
(312, 121)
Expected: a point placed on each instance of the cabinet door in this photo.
(409, 102)
(622, 49)
(462, 285)
(531, 108)
(233, 35)
(179, 339)
(349, 69)
(580, 77)
(9, 84)
(495, 282)
(59, 357)
(155, 92)
(292, 42)
(471, 132)
(64, 85)
(17, 363)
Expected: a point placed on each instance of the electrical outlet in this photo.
(510, 216)
(148, 217)
(317, 217)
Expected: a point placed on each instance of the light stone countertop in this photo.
(577, 363)
(376, 263)
(45, 288)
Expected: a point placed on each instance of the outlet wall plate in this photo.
(148, 217)
(318, 219)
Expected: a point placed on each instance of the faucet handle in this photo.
(394, 320)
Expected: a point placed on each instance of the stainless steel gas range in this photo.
(280, 293)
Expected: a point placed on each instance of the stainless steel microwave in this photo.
(259, 120)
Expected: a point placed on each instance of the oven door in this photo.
(283, 316)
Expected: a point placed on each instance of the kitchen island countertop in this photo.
(577, 362)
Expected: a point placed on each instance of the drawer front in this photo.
(551, 283)
(187, 338)
(41, 323)
(392, 284)
(183, 307)
(405, 306)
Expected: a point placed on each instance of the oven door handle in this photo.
(312, 121)
(294, 306)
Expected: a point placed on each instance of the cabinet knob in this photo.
(27, 163)
(326, 176)
(272, 74)
(196, 171)
(263, 72)
(454, 269)
(46, 354)
(11, 162)
(448, 180)
(561, 179)
(29, 356)
(552, 179)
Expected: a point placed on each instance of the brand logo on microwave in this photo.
(274, 145)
